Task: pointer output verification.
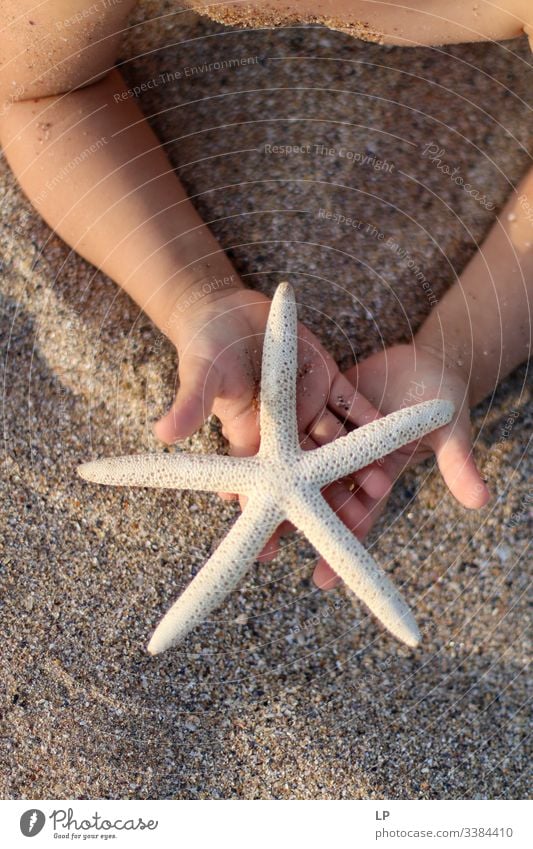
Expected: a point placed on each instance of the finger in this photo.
(349, 508)
(349, 404)
(325, 427)
(242, 434)
(374, 481)
(454, 453)
(241, 429)
(374, 508)
(199, 384)
(324, 577)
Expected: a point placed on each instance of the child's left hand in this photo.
(402, 376)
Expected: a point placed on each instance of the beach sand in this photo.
(287, 692)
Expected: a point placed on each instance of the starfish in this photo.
(281, 482)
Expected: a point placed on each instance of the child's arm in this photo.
(482, 328)
(480, 331)
(408, 24)
(93, 168)
(95, 171)
(477, 334)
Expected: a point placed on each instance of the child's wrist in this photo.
(204, 290)
(452, 357)
(188, 298)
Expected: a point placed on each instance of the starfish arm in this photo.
(374, 440)
(352, 562)
(208, 472)
(220, 575)
(278, 424)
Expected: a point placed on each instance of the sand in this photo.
(286, 692)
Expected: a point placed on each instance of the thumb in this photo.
(199, 385)
(454, 452)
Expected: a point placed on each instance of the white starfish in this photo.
(281, 482)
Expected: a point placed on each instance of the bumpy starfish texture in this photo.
(281, 482)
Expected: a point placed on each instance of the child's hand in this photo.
(408, 374)
(219, 345)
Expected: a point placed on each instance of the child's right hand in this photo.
(219, 344)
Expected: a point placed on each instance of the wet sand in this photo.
(287, 692)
